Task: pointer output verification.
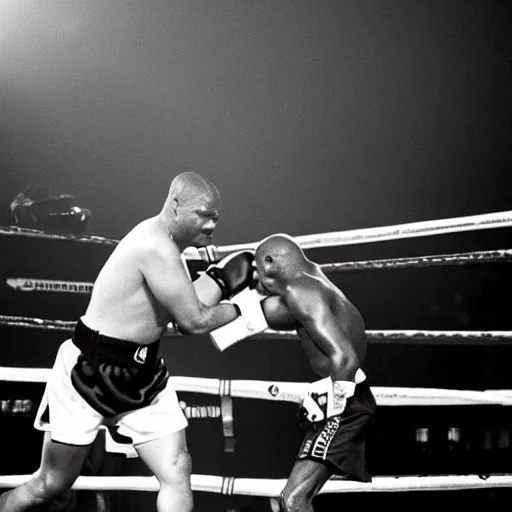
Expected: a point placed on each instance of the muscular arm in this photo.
(207, 290)
(168, 281)
(311, 308)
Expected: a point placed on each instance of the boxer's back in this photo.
(337, 312)
(121, 305)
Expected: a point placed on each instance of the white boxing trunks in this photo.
(108, 383)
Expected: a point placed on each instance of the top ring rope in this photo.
(349, 237)
(395, 232)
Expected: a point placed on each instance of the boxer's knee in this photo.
(175, 492)
(45, 486)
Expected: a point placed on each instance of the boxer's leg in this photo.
(170, 462)
(60, 467)
(306, 479)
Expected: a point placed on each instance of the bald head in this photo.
(191, 211)
(188, 186)
(279, 246)
(278, 258)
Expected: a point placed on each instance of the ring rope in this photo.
(456, 259)
(271, 488)
(394, 232)
(37, 323)
(34, 233)
(442, 260)
(433, 336)
(295, 391)
(349, 237)
(382, 336)
(430, 337)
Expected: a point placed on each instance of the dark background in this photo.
(309, 117)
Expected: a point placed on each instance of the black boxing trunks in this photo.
(99, 381)
(340, 440)
(115, 376)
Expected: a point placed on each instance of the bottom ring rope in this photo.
(271, 488)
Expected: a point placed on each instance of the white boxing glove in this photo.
(250, 322)
(325, 397)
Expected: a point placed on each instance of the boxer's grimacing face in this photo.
(200, 221)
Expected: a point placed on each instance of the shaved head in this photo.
(191, 210)
(278, 258)
(188, 186)
(279, 246)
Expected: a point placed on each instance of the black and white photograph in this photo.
(255, 256)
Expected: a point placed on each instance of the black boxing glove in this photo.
(232, 273)
(278, 315)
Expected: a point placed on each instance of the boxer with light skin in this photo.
(340, 405)
(109, 373)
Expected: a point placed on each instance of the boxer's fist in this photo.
(257, 313)
(232, 273)
(251, 320)
(277, 314)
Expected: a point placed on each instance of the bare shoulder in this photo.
(308, 296)
(149, 241)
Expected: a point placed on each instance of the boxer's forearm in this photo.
(209, 318)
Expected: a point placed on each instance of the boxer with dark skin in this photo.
(332, 334)
(110, 372)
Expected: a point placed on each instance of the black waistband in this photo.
(98, 348)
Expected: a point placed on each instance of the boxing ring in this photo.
(293, 392)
